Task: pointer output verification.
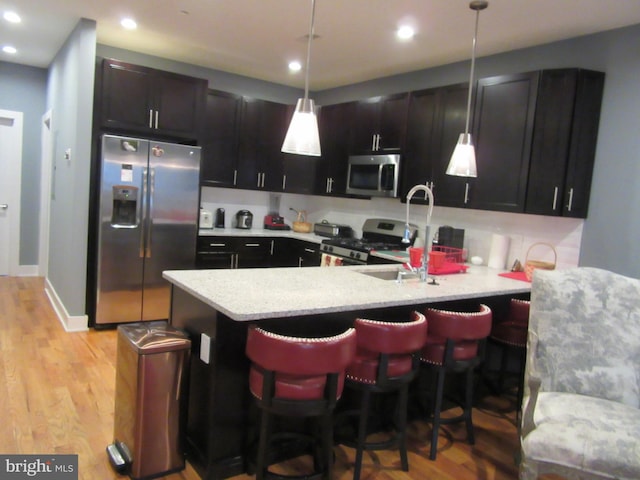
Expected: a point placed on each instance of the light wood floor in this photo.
(57, 394)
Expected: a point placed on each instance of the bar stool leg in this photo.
(362, 432)
(265, 431)
(403, 398)
(468, 406)
(436, 413)
(327, 446)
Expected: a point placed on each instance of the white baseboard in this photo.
(27, 271)
(75, 323)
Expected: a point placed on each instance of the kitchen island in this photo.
(216, 306)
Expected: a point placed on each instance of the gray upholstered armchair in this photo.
(581, 416)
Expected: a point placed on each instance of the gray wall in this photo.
(23, 89)
(70, 95)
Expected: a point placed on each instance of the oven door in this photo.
(328, 260)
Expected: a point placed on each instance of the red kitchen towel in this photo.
(515, 275)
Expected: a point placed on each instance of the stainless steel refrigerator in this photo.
(148, 213)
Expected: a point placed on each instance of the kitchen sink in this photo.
(389, 274)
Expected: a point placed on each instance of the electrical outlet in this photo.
(205, 347)
(67, 155)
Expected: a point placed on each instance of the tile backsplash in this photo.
(564, 234)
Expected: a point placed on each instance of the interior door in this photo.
(10, 166)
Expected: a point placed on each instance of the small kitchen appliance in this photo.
(331, 230)
(206, 219)
(275, 222)
(244, 219)
(377, 234)
(219, 218)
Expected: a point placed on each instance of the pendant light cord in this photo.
(473, 64)
(306, 77)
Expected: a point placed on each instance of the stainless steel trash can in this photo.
(152, 361)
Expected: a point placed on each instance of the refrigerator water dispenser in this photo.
(125, 206)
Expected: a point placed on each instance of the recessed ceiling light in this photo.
(9, 49)
(405, 32)
(12, 17)
(295, 66)
(129, 23)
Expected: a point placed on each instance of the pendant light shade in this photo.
(463, 159)
(302, 137)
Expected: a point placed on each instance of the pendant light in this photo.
(302, 137)
(463, 160)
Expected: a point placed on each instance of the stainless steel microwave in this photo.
(373, 175)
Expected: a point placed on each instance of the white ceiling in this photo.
(257, 38)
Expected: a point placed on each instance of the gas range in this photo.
(377, 234)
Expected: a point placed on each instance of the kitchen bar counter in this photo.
(215, 307)
(254, 294)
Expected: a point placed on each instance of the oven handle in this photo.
(329, 260)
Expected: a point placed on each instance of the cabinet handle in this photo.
(309, 250)
(466, 193)
(378, 142)
(156, 118)
(258, 184)
(237, 255)
(150, 118)
(555, 198)
(284, 182)
(262, 183)
(330, 185)
(327, 188)
(299, 261)
(217, 244)
(373, 142)
(570, 199)
(235, 177)
(271, 248)
(251, 244)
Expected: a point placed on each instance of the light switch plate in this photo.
(205, 347)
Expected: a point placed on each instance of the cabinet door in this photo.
(220, 139)
(421, 146)
(451, 118)
(127, 96)
(254, 252)
(179, 104)
(335, 123)
(379, 124)
(145, 100)
(550, 147)
(260, 161)
(584, 139)
(503, 128)
(216, 252)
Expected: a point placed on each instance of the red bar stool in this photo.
(387, 360)
(511, 334)
(456, 343)
(299, 377)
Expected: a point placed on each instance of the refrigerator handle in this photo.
(152, 187)
(143, 212)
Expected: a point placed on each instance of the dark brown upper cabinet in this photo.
(143, 100)
(263, 126)
(564, 142)
(334, 123)
(220, 139)
(379, 124)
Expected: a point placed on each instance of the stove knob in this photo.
(329, 249)
(357, 256)
(351, 254)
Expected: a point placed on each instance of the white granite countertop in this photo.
(253, 294)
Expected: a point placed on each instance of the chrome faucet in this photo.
(424, 271)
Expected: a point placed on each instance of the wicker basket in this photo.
(531, 265)
(302, 227)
